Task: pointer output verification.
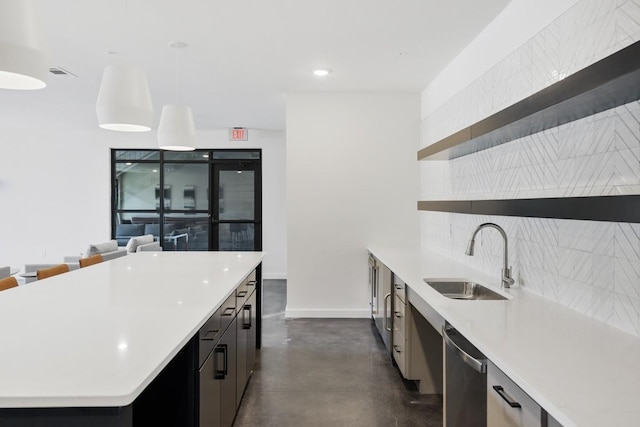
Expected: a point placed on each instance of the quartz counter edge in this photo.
(110, 328)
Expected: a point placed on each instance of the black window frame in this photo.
(161, 212)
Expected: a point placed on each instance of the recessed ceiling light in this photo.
(321, 72)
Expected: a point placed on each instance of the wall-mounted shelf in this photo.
(600, 208)
(608, 83)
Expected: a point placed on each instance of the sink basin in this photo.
(464, 290)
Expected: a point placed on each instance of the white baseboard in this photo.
(326, 314)
(274, 276)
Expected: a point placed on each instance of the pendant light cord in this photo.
(177, 45)
(176, 74)
(126, 53)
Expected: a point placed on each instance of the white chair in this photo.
(149, 247)
(109, 250)
(134, 242)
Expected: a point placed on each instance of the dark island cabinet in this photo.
(223, 375)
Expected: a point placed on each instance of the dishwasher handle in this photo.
(478, 365)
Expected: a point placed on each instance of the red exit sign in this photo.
(239, 134)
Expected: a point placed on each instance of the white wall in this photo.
(589, 266)
(515, 25)
(55, 191)
(352, 181)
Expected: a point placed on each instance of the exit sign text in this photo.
(239, 134)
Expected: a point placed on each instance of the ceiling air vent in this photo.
(58, 71)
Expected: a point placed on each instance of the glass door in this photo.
(189, 201)
(236, 210)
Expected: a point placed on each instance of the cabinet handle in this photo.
(241, 294)
(220, 372)
(375, 282)
(396, 348)
(398, 314)
(229, 311)
(210, 335)
(386, 297)
(246, 309)
(251, 282)
(503, 394)
(399, 287)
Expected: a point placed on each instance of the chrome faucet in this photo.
(507, 281)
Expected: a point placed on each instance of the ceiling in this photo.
(243, 56)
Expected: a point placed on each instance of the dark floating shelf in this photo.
(608, 83)
(600, 208)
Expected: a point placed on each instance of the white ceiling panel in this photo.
(243, 56)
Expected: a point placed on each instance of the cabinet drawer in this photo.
(399, 288)
(400, 352)
(227, 311)
(399, 318)
(251, 279)
(208, 335)
(251, 282)
(242, 295)
(244, 291)
(507, 404)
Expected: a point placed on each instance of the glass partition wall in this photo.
(197, 201)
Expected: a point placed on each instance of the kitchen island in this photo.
(104, 345)
(581, 371)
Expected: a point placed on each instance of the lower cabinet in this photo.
(226, 357)
(417, 346)
(227, 351)
(241, 357)
(252, 337)
(246, 333)
(508, 405)
(217, 382)
(209, 407)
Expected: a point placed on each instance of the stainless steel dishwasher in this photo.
(465, 382)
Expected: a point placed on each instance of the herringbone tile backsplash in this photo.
(591, 267)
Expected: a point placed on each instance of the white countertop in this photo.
(581, 371)
(98, 336)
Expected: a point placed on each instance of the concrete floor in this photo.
(328, 372)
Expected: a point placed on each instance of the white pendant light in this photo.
(22, 64)
(176, 131)
(124, 101)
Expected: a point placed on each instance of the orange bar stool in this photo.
(90, 260)
(8, 283)
(52, 271)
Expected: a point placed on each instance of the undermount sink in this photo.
(464, 290)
